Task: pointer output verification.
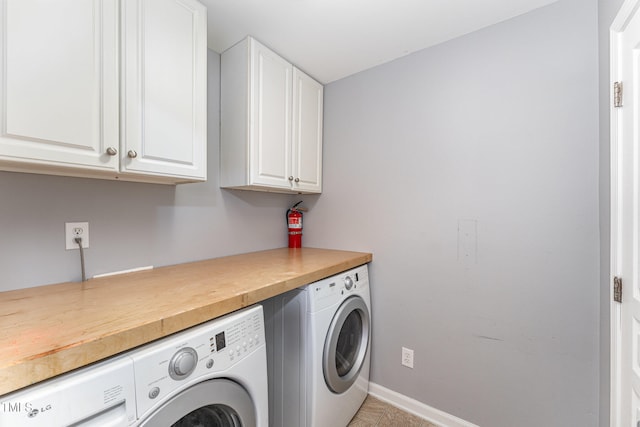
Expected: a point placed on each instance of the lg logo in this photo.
(35, 411)
(27, 407)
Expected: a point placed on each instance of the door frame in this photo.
(619, 24)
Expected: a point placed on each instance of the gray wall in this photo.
(500, 127)
(131, 224)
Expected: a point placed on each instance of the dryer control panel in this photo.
(165, 366)
(332, 290)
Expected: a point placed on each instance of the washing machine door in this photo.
(346, 344)
(212, 403)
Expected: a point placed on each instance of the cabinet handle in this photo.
(112, 151)
(132, 154)
(297, 180)
(290, 178)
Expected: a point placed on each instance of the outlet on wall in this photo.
(73, 230)
(407, 357)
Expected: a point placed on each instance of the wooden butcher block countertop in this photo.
(48, 330)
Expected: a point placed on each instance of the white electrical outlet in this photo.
(73, 230)
(407, 357)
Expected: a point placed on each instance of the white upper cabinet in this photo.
(307, 133)
(165, 88)
(270, 118)
(271, 123)
(65, 110)
(59, 95)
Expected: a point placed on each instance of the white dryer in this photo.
(318, 345)
(213, 374)
(339, 324)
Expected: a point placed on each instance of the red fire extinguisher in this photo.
(294, 225)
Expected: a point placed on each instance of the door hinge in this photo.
(617, 94)
(617, 289)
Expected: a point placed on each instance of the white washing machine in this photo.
(318, 345)
(214, 374)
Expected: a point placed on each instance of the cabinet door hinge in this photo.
(617, 289)
(617, 94)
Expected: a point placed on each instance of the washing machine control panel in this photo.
(167, 365)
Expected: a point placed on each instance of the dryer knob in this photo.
(348, 283)
(183, 363)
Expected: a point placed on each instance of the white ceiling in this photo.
(331, 39)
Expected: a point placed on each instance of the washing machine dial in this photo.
(348, 283)
(183, 363)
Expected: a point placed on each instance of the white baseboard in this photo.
(414, 407)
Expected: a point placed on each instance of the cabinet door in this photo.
(165, 93)
(270, 118)
(59, 84)
(307, 131)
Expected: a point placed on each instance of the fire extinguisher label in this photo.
(295, 222)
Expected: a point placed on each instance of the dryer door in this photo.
(346, 344)
(212, 403)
